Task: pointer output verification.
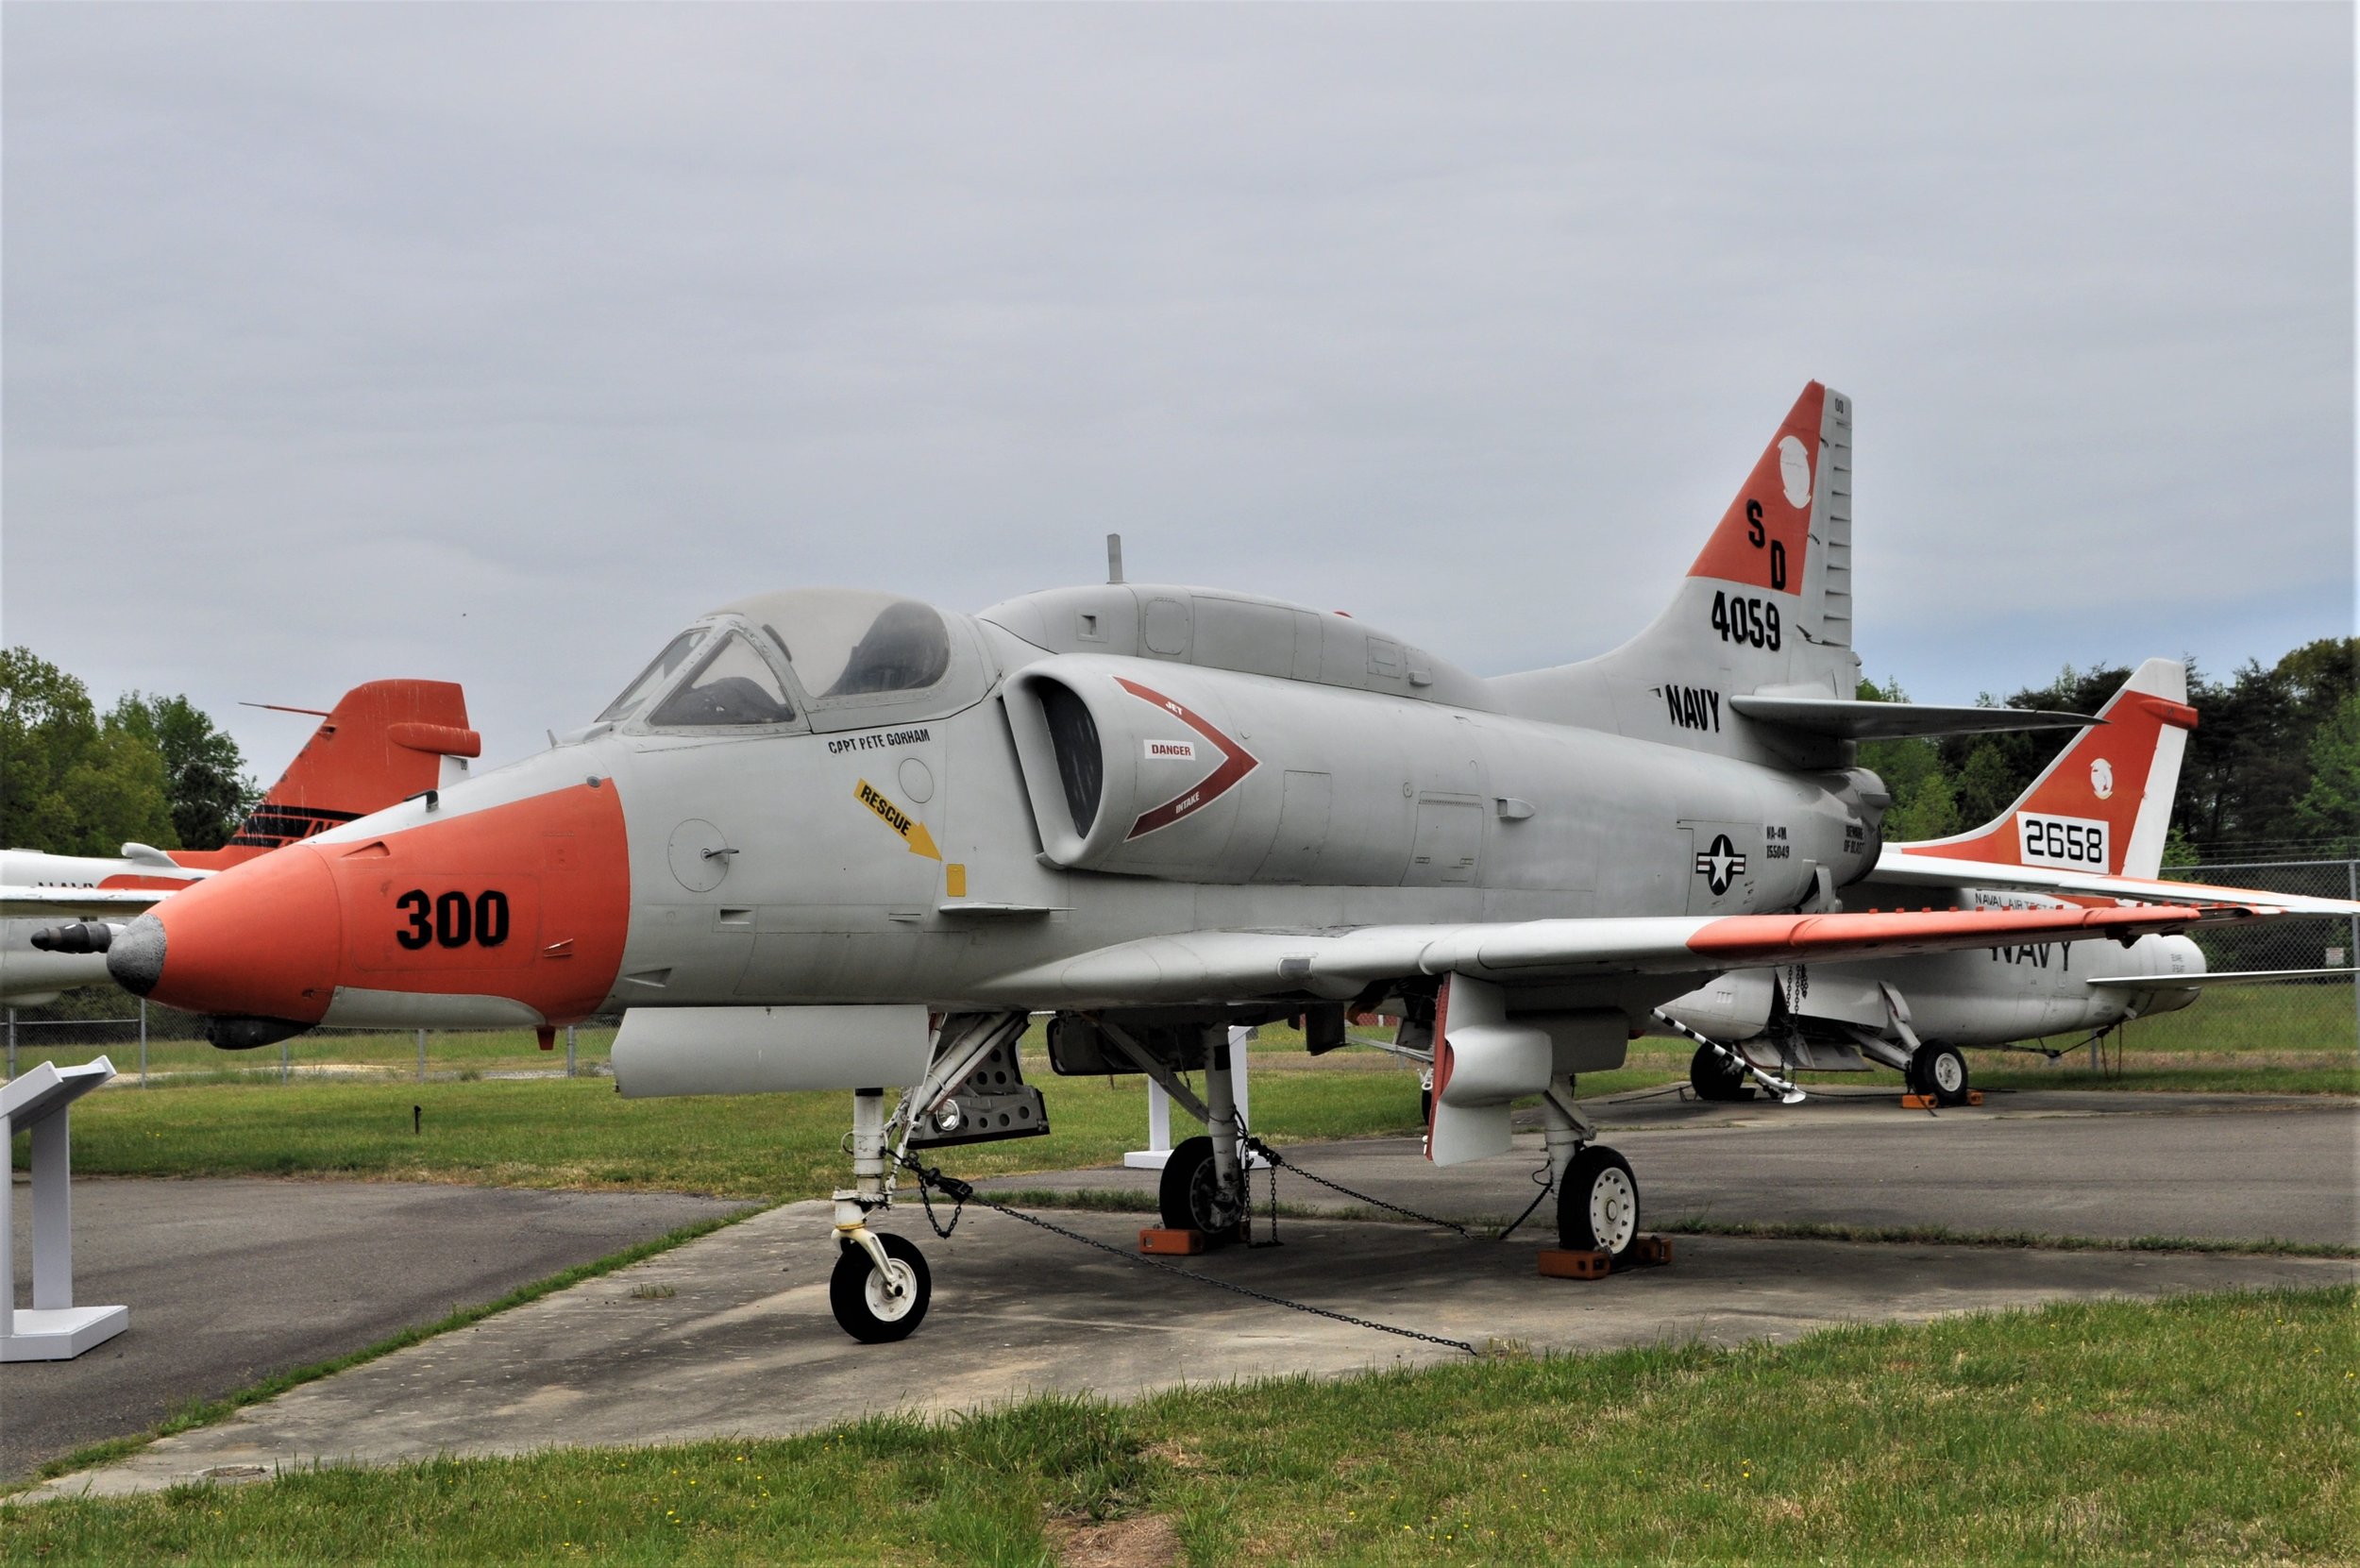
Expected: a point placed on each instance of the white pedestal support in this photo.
(1159, 1150)
(54, 1329)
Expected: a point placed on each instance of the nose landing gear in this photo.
(973, 1092)
(879, 1288)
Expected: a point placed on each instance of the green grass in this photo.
(2254, 1019)
(579, 1133)
(385, 1056)
(2210, 1428)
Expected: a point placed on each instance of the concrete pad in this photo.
(744, 1344)
(231, 1280)
(2206, 1167)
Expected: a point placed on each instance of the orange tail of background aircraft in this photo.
(2104, 805)
(385, 741)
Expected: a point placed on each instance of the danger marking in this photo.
(912, 832)
(1177, 751)
(1236, 762)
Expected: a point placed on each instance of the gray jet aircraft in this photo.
(840, 840)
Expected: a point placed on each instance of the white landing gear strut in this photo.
(1597, 1197)
(881, 1286)
(1203, 1181)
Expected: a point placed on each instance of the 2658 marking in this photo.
(453, 921)
(1743, 619)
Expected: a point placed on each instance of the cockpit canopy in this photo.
(827, 658)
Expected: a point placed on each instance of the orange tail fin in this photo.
(384, 742)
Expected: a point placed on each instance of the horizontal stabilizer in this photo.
(2230, 977)
(1897, 867)
(1846, 720)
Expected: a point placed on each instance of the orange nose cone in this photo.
(259, 940)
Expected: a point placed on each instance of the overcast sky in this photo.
(492, 342)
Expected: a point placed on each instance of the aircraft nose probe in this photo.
(75, 936)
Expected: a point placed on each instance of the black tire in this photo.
(858, 1297)
(1714, 1076)
(1426, 1107)
(1598, 1208)
(1190, 1196)
(1938, 1072)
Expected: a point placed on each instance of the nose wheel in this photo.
(1597, 1204)
(877, 1306)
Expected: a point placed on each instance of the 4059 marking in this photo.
(1752, 621)
(454, 920)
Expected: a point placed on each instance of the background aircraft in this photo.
(2103, 806)
(842, 839)
(385, 740)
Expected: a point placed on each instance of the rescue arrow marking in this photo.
(1237, 762)
(912, 832)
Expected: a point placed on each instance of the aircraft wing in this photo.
(1903, 868)
(1338, 964)
(96, 903)
(2219, 977)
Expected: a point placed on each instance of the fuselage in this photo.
(831, 797)
(1981, 997)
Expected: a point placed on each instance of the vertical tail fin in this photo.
(2104, 805)
(1766, 608)
(384, 742)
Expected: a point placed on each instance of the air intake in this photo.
(1080, 760)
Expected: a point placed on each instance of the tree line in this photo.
(2272, 773)
(151, 770)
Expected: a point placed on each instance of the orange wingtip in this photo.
(1770, 937)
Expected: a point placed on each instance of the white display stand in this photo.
(54, 1329)
(1158, 1150)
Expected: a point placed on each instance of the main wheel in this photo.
(1938, 1072)
(1714, 1076)
(1598, 1208)
(871, 1309)
(1190, 1196)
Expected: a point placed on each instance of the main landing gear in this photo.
(1203, 1181)
(1715, 1075)
(1939, 1073)
(1597, 1197)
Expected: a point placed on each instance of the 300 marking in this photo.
(454, 920)
(1752, 621)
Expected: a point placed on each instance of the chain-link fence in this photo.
(160, 1046)
(2297, 1016)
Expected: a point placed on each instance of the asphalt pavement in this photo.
(2222, 1168)
(229, 1281)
